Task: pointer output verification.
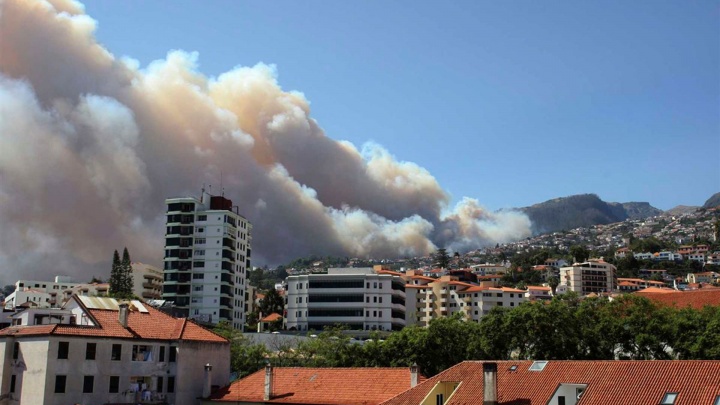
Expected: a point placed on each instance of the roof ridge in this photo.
(202, 327)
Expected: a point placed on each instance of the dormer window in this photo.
(669, 398)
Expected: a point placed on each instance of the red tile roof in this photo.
(696, 299)
(272, 317)
(299, 385)
(151, 325)
(608, 382)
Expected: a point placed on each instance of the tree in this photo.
(553, 282)
(246, 357)
(116, 275)
(442, 259)
(127, 276)
(272, 303)
(579, 253)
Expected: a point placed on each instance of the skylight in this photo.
(540, 366)
(717, 400)
(513, 367)
(669, 398)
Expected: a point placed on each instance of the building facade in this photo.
(47, 294)
(147, 281)
(359, 298)
(207, 255)
(593, 276)
(96, 351)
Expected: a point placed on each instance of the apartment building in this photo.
(147, 281)
(443, 297)
(593, 276)
(359, 298)
(97, 351)
(207, 255)
(46, 294)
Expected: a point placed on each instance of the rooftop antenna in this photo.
(202, 192)
(222, 189)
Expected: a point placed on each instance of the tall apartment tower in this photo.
(207, 255)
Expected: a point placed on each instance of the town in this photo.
(188, 329)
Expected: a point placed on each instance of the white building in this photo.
(147, 281)
(44, 294)
(698, 257)
(360, 298)
(593, 276)
(207, 254)
(95, 351)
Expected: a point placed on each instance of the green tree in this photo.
(442, 259)
(579, 253)
(553, 282)
(116, 281)
(272, 303)
(127, 276)
(246, 357)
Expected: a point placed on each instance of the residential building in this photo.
(667, 256)
(443, 297)
(488, 268)
(705, 277)
(713, 258)
(555, 262)
(636, 284)
(51, 293)
(327, 386)
(360, 298)
(535, 292)
(207, 255)
(665, 382)
(644, 256)
(98, 351)
(147, 281)
(592, 276)
(622, 252)
(698, 257)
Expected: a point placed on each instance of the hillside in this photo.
(681, 209)
(713, 201)
(583, 210)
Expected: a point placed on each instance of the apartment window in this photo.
(202, 217)
(60, 381)
(367, 314)
(375, 285)
(498, 295)
(90, 350)
(13, 380)
(198, 276)
(374, 314)
(172, 355)
(16, 350)
(88, 383)
(171, 384)
(161, 355)
(159, 384)
(114, 384)
(201, 229)
(374, 299)
(198, 264)
(380, 300)
(561, 400)
(200, 241)
(63, 349)
(380, 314)
(368, 285)
(367, 299)
(141, 353)
(439, 399)
(116, 352)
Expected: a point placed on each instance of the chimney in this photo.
(207, 387)
(123, 316)
(490, 384)
(268, 382)
(413, 375)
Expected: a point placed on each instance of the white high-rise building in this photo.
(207, 255)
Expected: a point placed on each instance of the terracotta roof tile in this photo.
(272, 317)
(297, 385)
(696, 299)
(608, 382)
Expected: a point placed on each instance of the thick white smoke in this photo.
(91, 145)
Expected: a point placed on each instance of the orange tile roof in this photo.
(151, 325)
(537, 287)
(661, 290)
(390, 272)
(696, 299)
(608, 382)
(300, 385)
(272, 317)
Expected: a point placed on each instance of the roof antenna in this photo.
(222, 189)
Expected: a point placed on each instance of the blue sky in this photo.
(512, 103)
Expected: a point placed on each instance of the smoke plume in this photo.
(91, 145)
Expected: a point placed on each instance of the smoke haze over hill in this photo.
(91, 145)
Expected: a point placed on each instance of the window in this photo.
(439, 399)
(538, 366)
(513, 367)
(202, 217)
(172, 355)
(374, 299)
(60, 381)
(201, 229)
(88, 383)
(171, 384)
(669, 398)
(161, 356)
(142, 353)
(116, 353)
(90, 350)
(63, 349)
(13, 380)
(159, 384)
(561, 400)
(200, 241)
(114, 384)
(198, 276)
(380, 300)
(717, 400)
(16, 350)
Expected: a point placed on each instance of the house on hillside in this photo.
(99, 351)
